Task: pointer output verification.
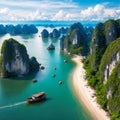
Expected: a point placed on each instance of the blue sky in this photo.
(79, 10)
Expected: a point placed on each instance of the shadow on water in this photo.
(27, 77)
(55, 40)
(28, 36)
(15, 86)
(12, 88)
(45, 40)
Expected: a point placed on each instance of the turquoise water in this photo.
(61, 103)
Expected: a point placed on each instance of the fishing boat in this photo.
(37, 98)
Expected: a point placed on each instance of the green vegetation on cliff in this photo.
(9, 56)
(103, 34)
(105, 49)
(14, 60)
(110, 53)
(76, 40)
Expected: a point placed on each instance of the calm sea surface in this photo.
(61, 103)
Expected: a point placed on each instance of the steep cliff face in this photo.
(113, 93)
(33, 65)
(14, 60)
(98, 45)
(103, 34)
(109, 60)
(76, 40)
(111, 31)
(110, 66)
(103, 66)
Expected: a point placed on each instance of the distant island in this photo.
(74, 39)
(18, 29)
(14, 60)
(55, 34)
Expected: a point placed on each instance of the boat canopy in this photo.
(39, 94)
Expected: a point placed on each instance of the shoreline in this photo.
(85, 93)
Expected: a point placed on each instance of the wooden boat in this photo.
(37, 98)
(34, 80)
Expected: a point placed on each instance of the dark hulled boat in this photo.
(37, 97)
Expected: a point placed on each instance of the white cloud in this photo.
(54, 10)
(99, 12)
(59, 16)
(4, 11)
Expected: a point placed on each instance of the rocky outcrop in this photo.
(45, 34)
(33, 65)
(76, 40)
(110, 77)
(51, 47)
(55, 34)
(110, 66)
(14, 60)
(110, 59)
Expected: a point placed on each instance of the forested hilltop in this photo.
(103, 66)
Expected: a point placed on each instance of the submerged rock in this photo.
(14, 60)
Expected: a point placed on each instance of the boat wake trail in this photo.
(12, 105)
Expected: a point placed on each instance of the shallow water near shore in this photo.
(61, 103)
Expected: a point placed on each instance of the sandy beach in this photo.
(85, 93)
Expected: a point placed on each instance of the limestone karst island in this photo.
(59, 60)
